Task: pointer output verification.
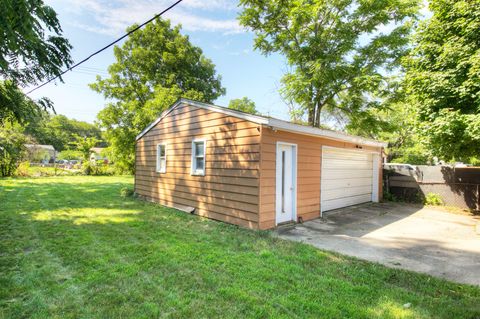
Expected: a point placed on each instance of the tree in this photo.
(84, 145)
(15, 106)
(443, 79)
(12, 148)
(70, 155)
(244, 104)
(337, 50)
(153, 68)
(31, 49)
(393, 123)
(452, 135)
(60, 131)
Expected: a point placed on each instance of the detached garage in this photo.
(251, 170)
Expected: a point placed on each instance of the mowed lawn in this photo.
(72, 247)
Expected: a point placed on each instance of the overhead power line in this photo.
(105, 47)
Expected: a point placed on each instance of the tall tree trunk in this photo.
(311, 115)
(318, 111)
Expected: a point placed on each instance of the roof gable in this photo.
(267, 121)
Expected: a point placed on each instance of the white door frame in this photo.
(294, 179)
(375, 171)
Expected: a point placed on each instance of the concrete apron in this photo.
(425, 240)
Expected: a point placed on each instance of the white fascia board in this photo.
(270, 122)
(308, 130)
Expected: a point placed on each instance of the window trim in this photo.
(194, 171)
(158, 169)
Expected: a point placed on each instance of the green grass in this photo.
(72, 247)
(38, 171)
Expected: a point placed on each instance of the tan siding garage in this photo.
(229, 189)
(251, 171)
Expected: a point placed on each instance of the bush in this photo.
(390, 197)
(97, 168)
(433, 199)
(12, 148)
(23, 169)
(126, 192)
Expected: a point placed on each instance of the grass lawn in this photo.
(72, 247)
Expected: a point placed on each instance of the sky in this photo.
(211, 25)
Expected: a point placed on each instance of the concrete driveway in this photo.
(404, 236)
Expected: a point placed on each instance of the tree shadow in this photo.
(457, 186)
(179, 263)
(360, 220)
(464, 182)
(403, 183)
(436, 243)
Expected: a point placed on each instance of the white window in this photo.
(161, 158)
(198, 157)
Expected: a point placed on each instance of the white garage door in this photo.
(348, 178)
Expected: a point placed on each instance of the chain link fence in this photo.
(457, 186)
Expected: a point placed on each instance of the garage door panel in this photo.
(347, 178)
(346, 182)
(346, 192)
(347, 156)
(343, 202)
(347, 164)
(341, 174)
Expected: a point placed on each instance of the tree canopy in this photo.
(85, 144)
(32, 49)
(338, 50)
(16, 106)
(443, 79)
(153, 68)
(60, 131)
(244, 104)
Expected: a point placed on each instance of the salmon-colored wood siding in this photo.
(239, 182)
(229, 190)
(309, 157)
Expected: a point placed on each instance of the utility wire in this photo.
(105, 47)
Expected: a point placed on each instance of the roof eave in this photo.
(313, 131)
(274, 123)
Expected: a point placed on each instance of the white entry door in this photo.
(286, 176)
(348, 178)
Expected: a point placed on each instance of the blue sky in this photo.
(211, 25)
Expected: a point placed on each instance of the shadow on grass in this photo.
(162, 262)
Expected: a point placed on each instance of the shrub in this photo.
(23, 169)
(87, 168)
(390, 197)
(126, 192)
(433, 199)
(12, 148)
(97, 168)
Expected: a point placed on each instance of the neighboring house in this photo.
(251, 170)
(40, 153)
(97, 154)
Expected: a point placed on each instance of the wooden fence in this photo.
(457, 186)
